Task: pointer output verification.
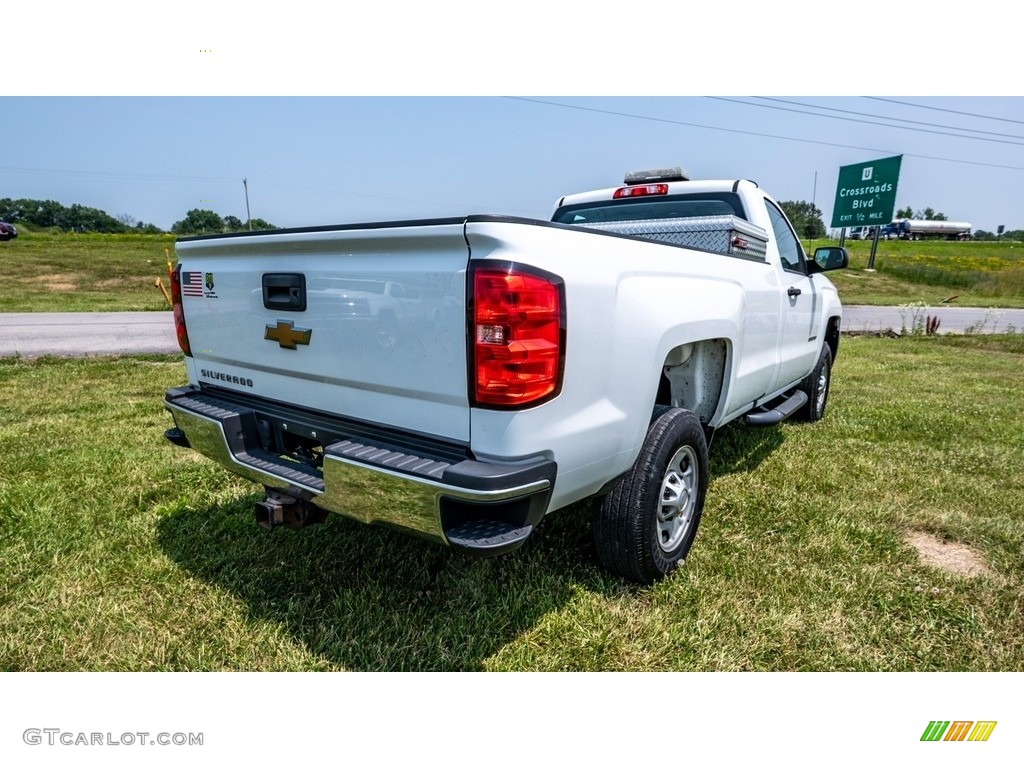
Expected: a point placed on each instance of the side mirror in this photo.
(829, 258)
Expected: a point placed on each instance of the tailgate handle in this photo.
(284, 292)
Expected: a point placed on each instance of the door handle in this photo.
(284, 292)
(793, 292)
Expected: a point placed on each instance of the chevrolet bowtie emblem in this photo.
(287, 335)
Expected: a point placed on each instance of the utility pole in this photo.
(248, 216)
(814, 194)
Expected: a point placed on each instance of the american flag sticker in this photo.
(192, 283)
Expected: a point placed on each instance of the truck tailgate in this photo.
(367, 322)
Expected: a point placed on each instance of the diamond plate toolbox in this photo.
(730, 235)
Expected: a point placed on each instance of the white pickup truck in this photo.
(507, 367)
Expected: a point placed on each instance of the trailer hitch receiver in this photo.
(281, 509)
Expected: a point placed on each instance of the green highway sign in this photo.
(866, 193)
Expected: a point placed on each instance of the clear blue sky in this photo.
(77, 123)
(326, 160)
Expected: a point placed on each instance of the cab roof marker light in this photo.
(657, 174)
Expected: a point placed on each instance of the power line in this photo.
(225, 181)
(868, 122)
(763, 135)
(887, 117)
(222, 181)
(941, 109)
(689, 125)
(108, 176)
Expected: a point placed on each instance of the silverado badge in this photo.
(287, 335)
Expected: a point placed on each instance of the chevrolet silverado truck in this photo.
(521, 365)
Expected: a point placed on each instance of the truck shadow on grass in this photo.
(367, 598)
(737, 448)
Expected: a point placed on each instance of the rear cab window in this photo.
(684, 206)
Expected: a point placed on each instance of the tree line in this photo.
(199, 221)
(74, 218)
(808, 223)
(805, 217)
(49, 214)
(926, 214)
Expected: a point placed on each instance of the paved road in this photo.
(77, 334)
(951, 319)
(32, 334)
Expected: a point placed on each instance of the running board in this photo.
(780, 412)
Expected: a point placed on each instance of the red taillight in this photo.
(179, 314)
(640, 190)
(517, 337)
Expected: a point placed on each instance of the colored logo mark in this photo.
(192, 283)
(287, 335)
(958, 730)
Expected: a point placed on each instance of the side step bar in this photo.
(781, 412)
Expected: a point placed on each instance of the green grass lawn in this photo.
(967, 274)
(51, 272)
(45, 272)
(122, 552)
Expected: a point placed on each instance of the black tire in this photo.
(817, 385)
(645, 527)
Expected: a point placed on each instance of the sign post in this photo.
(866, 196)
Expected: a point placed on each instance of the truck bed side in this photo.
(633, 305)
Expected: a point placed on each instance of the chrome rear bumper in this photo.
(475, 506)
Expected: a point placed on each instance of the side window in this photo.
(790, 250)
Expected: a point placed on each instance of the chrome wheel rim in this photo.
(819, 403)
(679, 487)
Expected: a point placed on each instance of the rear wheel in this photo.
(645, 527)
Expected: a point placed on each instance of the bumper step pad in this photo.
(239, 428)
(480, 536)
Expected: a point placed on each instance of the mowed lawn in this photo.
(44, 272)
(53, 272)
(887, 537)
(933, 272)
